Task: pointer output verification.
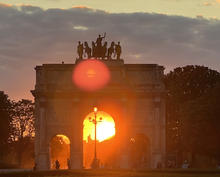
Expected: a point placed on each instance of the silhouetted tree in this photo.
(202, 118)
(185, 87)
(22, 123)
(5, 106)
(22, 127)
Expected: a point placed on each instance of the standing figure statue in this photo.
(87, 50)
(80, 50)
(104, 50)
(118, 50)
(94, 51)
(99, 45)
(111, 50)
(99, 40)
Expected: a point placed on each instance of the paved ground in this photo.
(14, 170)
(110, 173)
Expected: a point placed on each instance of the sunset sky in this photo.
(190, 8)
(167, 32)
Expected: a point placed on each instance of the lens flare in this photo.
(91, 75)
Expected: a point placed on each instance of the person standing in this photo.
(68, 164)
(57, 165)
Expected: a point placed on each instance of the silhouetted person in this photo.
(218, 165)
(57, 164)
(87, 50)
(118, 50)
(80, 50)
(185, 164)
(169, 164)
(68, 164)
(35, 167)
(111, 50)
(159, 165)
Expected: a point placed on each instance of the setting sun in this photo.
(105, 127)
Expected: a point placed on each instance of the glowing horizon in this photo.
(105, 128)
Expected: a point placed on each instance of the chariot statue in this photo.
(99, 49)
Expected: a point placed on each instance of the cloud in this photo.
(80, 7)
(208, 4)
(32, 36)
(5, 5)
(200, 17)
(80, 28)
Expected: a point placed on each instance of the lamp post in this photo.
(95, 121)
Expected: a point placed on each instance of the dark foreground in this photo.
(114, 173)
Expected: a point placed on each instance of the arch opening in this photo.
(59, 152)
(139, 151)
(105, 133)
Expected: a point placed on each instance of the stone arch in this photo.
(59, 149)
(136, 103)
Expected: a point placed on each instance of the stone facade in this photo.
(134, 98)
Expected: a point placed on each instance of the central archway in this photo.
(105, 134)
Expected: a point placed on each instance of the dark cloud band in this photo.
(30, 35)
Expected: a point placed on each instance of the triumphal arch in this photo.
(134, 97)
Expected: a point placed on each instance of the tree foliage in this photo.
(22, 130)
(22, 124)
(192, 109)
(203, 115)
(4, 121)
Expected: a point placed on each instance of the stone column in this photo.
(76, 146)
(76, 151)
(124, 152)
(163, 131)
(157, 154)
(43, 159)
(76, 156)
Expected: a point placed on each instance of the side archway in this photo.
(60, 152)
(139, 151)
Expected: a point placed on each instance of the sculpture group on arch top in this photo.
(99, 49)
